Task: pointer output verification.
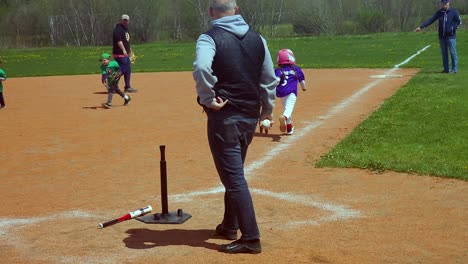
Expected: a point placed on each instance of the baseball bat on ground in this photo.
(131, 215)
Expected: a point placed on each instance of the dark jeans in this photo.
(2, 100)
(114, 89)
(446, 45)
(125, 68)
(229, 136)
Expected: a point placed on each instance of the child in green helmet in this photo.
(2, 78)
(110, 77)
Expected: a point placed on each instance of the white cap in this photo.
(125, 17)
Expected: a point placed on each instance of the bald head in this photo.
(222, 8)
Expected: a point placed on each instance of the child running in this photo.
(289, 75)
(110, 77)
(2, 78)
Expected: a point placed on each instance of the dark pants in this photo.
(114, 89)
(2, 100)
(446, 45)
(229, 136)
(125, 68)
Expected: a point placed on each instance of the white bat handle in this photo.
(141, 211)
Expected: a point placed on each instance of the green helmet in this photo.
(105, 56)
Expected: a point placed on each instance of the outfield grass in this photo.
(422, 129)
(368, 51)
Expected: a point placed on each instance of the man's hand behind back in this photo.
(217, 103)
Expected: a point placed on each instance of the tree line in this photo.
(39, 23)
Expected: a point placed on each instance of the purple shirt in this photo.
(290, 76)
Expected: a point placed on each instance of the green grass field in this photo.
(422, 129)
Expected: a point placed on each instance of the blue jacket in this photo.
(448, 22)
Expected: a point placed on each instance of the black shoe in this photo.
(130, 90)
(225, 234)
(242, 246)
(107, 105)
(3, 107)
(444, 72)
(127, 100)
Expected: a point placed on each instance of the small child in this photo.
(2, 78)
(110, 77)
(290, 75)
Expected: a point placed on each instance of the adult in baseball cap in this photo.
(121, 50)
(449, 21)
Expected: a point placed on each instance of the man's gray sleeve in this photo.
(268, 82)
(202, 72)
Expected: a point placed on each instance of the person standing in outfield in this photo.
(122, 51)
(3, 77)
(235, 84)
(290, 75)
(449, 21)
(110, 77)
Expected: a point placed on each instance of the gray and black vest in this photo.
(238, 66)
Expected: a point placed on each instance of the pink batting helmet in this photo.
(286, 56)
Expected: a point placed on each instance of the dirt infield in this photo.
(67, 164)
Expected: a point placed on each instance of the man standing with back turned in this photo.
(235, 83)
(449, 20)
(122, 51)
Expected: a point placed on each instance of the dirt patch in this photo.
(67, 164)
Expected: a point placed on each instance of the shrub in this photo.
(371, 21)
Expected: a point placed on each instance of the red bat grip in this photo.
(136, 213)
(115, 221)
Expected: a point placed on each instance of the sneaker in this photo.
(3, 107)
(444, 72)
(282, 121)
(130, 90)
(242, 246)
(290, 130)
(107, 105)
(221, 232)
(127, 100)
(452, 72)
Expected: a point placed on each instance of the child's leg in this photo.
(109, 97)
(126, 97)
(119, 92)
(111, 92)
(283, 118)
(2, 100)
(289, 102)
